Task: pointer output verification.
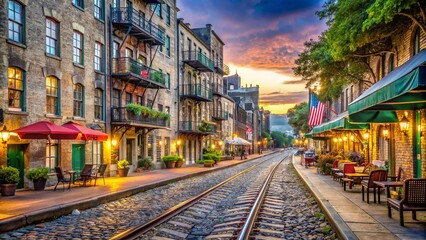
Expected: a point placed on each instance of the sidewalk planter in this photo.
(9, 177)
(123, 168)
(39, 177)
(208, 163)
(172, 161)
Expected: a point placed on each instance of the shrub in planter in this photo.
(9, 177)
(39, 177)
(123, 168)
(179, 161)
(170, 160)
(208, 163)
(325, 163)
(145, 164)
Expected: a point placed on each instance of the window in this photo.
(98, 57)
(140, 101)
(99, 9)
(168, 14)
(149, 103)
(78, 100)
(391, 63)
(167, 109)
(52, 95)
(157, 9)
(128, 53)
(78, 48)
(97, 152)
(98, 104)
(115, 51)
(158, 144)
(78, 3)
(347, 98)
(416, 42)
(52, 36)
(16, 22)
(51, 156)
(128, 98)
(352, 93)
(115, 97)
(168, 80)
(160, 107)
(166, 146)
(150, 149)
(168, 46)
(231, 87)
(16, 88)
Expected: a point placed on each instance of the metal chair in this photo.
(100, 173)
(61, 178)
(86, 173)
(375, 175)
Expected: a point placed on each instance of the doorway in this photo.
(15, 158)
(129, 151)
(78, 159)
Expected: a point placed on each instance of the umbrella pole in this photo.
(48, 142)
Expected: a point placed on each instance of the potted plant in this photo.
(145, 164)
(39, 177)
(208, 163)
(9, 177)
(179, 161)
(123, 168)
(170, 161)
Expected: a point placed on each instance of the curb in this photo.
(56, 211)
(342, 229)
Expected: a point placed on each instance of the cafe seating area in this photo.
(85, 176)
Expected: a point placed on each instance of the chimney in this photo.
(188, 25)
(209, 26)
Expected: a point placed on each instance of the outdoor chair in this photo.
(414, 199)
(61, 178)
(335, 169)
(375, 175)
(100, 173)
(347, 168)
(86, 173)
(398, 176)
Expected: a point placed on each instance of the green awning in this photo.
(339, 123)
(308, 135)
(402, 89)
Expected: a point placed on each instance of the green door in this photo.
(15, 158)
(78, 157)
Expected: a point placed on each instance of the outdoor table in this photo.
(72, 177)
(388, 184)
(355, 175)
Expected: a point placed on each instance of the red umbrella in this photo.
(86, 133)
(46, 130)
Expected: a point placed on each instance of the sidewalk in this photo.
(28, 207)
(354, 219)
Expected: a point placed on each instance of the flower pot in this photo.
(179, 164)
(39, 184)
(208, 164)
(171, 164)
(122, 172)
(8, 189)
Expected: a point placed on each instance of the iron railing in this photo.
(197, 127)
(196, 90)
(222, 68)
(218, 88)
(121, 114)
(200, 57)
(129, 15)
(126, 65)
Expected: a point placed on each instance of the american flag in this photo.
(316, 111)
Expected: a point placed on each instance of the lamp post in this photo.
(5, 135)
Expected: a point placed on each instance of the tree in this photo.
(281, 139)
(298, 117)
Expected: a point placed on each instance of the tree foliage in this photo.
(298, 117)
(281, 139)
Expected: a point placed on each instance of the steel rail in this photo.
(137, 231)
(251, 218)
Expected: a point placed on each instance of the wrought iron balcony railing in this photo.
(198, 92)
(141, 27)
(197, 127)
(127, 67)
(221, 68)
(123, 115)
(220, 115)
(198, 60)
(217, 89)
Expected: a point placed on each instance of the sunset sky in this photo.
(263, 38)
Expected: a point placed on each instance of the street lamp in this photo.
(5, 135)
(404, 125)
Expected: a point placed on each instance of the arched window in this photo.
(416, 42)
(16, 86)
(52, 95)
(52, 37)
(98, 104)
(391, 63)
(78, 100)
(379, 70)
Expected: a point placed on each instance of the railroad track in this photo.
(178, 222)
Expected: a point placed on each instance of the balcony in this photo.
(221, 68)
(137, 73)
(197, 128)
(154, 1)
(220, 115)
(198, 61)
(121, 116)
(198, 92)
(129, 19)
(217, 89)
